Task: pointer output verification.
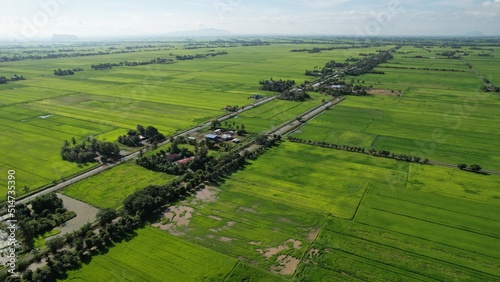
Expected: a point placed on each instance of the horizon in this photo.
(20, 21)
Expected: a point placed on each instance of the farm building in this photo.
(212, 137)
(236, 140)
(226, 137)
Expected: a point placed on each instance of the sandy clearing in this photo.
(207, 194)
(288, 265)
(177, 217)
(85, 213)
(313, 234)
(384, 92)
(269, 252)
(226, 239)
(215, 217)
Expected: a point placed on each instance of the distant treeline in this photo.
(319, 49)
(59, 55)
(427, 69)
(103, 66)
(199, 56)
(4, 80)
(61, 72)
(88, 151)
(328, 69)
(367, 65)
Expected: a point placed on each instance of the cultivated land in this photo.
(442, 115)
(299, 212)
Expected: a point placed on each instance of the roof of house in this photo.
(183, 161)
(211, 136)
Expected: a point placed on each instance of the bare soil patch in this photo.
(384, 92)
(207, 194)
(313, 234)
(175, 217)
(84, 213)
(269, 252)
(287, 265)
(226, 239)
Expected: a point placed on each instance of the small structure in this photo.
(256, 97)
(236, 140)
(185, 160)
(226, 137)
(172, 157)
(212, 137)
(142, 137)
(218, 131)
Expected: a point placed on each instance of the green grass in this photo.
(109, 188)
(155, 256)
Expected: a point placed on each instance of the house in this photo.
(191, 138)
(212, 137)
(226, 137)
(236, 140)
(142, 137)
(218, 131)
(183, 161)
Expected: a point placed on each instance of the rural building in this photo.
(192, 138)
(218, 131)
(236, 140)
(212, 137)
(141, 137)
(226, 137)
(183, 161)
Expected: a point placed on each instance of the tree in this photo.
(462, 166)
(215, 123)
(106, 216)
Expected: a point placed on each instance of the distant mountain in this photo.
(64, 37)
(207, 32)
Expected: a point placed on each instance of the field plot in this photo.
(155, 256)
(422, 228)
(442, 115)
(111, 187)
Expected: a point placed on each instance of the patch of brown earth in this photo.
(85, 213)
(254, 243)
(225, 227)
(287, 266)
(176, 217)
(207, 194)
(226, 239)
(269, 252)
(215, 217)
(246, 209)
(313, 234)
(384, 92)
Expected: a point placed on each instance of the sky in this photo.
(38, 19)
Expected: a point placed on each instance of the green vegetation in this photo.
(155, 256)
(111, 187)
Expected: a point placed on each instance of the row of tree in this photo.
(328, 69)
(88, 150)
(378, 153)
(426, 69)
(15, 77)
(62, 72)
(200, 56)
(276, 85)
(366, 65)
(296, 94)
(473, 168)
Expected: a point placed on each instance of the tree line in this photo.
(276, 85)
(372, 151)
(61, 72)
(133, 137)
(15, 77)
(367, 65)
(199, 56)
(88, 150)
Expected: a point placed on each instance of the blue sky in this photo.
(41, 18)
